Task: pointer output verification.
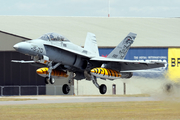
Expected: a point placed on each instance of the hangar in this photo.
(157, 39)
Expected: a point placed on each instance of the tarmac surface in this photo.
(72, 99)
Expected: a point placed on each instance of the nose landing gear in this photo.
(51, 80)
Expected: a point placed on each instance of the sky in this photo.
(91, 8)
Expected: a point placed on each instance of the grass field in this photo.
(14, 99)
(159, 110)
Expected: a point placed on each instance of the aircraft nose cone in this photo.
(16, 46)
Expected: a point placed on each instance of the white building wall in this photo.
(85, 87)
(134, 85)
(108, 31)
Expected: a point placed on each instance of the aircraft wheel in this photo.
(65, 89)
(102, 89)
(46, 80)
(52, 80)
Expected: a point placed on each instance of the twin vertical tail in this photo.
(118, 53)
(91, 44)
(121, 50)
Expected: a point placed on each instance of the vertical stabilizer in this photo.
(91, 44)
(121, 50)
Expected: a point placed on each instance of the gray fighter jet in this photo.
(62, 59)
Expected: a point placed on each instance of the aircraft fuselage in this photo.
(42, 48)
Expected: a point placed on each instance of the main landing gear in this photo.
(102, 88)
(67, 87)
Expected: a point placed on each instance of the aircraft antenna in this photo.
(109, 9)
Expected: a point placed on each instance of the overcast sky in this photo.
(96, 8)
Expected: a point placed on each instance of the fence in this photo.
(33, 90)
(22, 90)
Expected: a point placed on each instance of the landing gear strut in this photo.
(102, 88)
(49, 78)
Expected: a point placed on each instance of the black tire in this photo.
(52, 81)
(46, 80)
(102, 89)
(65, 89)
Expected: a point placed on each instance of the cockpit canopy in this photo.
(53, 37)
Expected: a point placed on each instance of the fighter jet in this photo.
(63, 59)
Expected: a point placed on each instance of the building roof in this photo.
(157, 32)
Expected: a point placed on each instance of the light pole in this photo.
(109, 9)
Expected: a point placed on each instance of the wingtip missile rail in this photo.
(55, 73)
(105, 73)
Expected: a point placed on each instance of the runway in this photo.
(72, 99)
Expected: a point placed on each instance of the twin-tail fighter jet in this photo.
(63, 59)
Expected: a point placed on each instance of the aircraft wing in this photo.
(83, 53)
(128, 65)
